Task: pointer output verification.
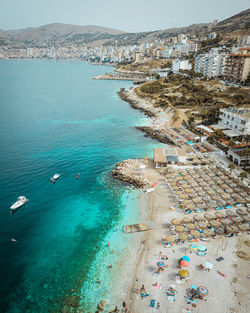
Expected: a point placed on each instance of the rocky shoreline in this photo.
(155, 134)
(134, 104)
(129, 171)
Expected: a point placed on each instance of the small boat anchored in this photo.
(19, 203)
(54, 178)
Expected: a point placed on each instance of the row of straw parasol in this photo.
(199, 186)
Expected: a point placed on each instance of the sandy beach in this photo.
(226, 294)
(227, 281)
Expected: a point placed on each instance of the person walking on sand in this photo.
(142, 291)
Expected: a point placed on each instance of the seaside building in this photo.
(180, 65)
(211, 64)
(237, 120)
(165, 156)
(237, 65)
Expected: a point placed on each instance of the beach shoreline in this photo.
(234, 298)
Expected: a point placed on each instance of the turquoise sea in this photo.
(55, 118)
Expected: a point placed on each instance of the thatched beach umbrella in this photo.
(225, 196)
(188, 190)
(226, 221)
(243, 227)
(182, 236)
(220, 191)
(179, 192)
(198, 218)
(179, 228)
(192, 195)
(209, 216)
(202, 225)
(175, 221)
(219, 230)
(231, 229)
(182, 196)
(207, 232)
(195, 233)
(190, 206)
(236, 219)
(241, 212)
(210, 192)
(229, 190)
(211, 174)
(246, 218)
(214, 223)
(220, 214)
(186, 219)
(248, 210)
(230, 213)
(175, 187)
(170, 238)
(190, 226)
(196, 200)
(186, 201)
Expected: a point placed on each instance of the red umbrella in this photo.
(184, 263)
(154, 184)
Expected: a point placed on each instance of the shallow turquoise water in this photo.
(55, 118)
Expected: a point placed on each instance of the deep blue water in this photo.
(55, 118)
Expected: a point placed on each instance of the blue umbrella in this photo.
(186, 258)
(160, 264)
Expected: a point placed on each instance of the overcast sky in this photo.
(126, 15)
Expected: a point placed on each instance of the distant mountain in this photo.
(240, 21)
(65, 34)
(59, 33)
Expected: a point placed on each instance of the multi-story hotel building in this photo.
(237, 65)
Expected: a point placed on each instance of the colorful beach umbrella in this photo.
(160, 264)
(193, 246)
(184, 273)
(208, 265)
(186, 258)
(202, 291)
(202, 248)
(184, 263)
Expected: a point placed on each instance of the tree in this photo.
(191, 121)
(231, 143)
(243, 175)
(231, 167)
(217, 135)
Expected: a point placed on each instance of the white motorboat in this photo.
(20, 202)
(54, 178)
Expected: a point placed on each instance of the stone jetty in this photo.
(130, 172)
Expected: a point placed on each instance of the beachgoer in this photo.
(98, 280)
(158, 305)
(147, 247)
(110, 266)
(142, 291)
(108, 244)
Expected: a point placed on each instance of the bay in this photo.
(55, 118)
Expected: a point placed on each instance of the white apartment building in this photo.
(235, 119)
(211, 64)
(180, 65)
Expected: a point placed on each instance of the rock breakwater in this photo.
(156, 134)
(130, 172)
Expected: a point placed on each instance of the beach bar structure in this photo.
(165, 156)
